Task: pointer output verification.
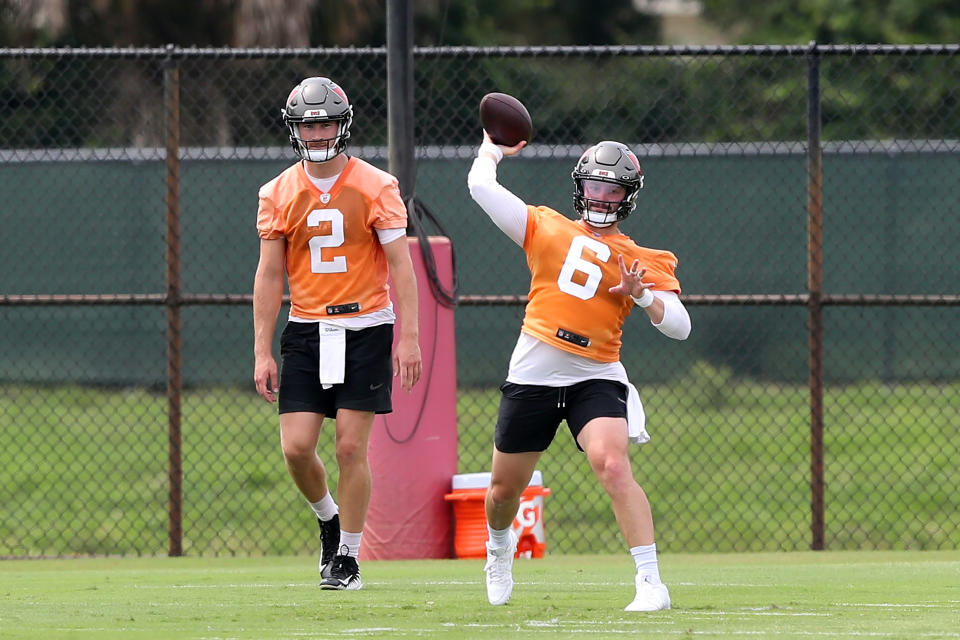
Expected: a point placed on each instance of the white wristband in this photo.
(645, 300)
(493, 149)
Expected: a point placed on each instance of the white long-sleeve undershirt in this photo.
(506, 210)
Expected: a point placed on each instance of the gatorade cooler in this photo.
(470, 537)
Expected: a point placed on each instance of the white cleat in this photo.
(499, 570)
(650, 597)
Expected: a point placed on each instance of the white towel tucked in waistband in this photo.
(636, 418)
(333, 346)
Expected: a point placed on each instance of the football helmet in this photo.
(610, 162)
(318, 100)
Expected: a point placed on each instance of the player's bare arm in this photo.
(406, 357)
(267, 298)
(632, 284)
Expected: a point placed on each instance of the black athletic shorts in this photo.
(367, 375)
(530, 414)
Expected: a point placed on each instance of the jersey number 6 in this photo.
(576, 262)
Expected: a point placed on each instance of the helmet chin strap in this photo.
(587, 216)
(319, 155)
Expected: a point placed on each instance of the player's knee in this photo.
(350, 452)
(500, 493)
(298, 453)
(612, 470)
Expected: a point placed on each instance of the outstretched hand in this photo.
(631, 280)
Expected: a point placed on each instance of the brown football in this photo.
(505, 119)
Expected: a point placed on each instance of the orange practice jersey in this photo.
(333, 256)
(571, 269)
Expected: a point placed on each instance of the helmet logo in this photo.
(337, 90)
(603, 173)
(293, 94)
(315, 113)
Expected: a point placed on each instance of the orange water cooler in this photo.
(470, 537)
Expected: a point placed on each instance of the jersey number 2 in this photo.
(334, 239)
(576, 262)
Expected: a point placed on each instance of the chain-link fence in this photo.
(810, 194)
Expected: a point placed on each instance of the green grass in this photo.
(84, 470)
(768, 595)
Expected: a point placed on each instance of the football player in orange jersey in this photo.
(585, 277)
(335, 226)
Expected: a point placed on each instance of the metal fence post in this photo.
(815, 293)
(400, 112)
(171, 90)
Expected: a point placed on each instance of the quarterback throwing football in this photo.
(585, 278)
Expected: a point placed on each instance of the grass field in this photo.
(728, 470)
(835, 595)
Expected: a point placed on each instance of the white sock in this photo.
(325, 507)
(352, 543)
(645, 558)
(499, 538)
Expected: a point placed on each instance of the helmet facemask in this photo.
(600, 211)
(612, 163)
(319, 149)
(318, 100)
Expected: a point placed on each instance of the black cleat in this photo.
(344, 575)
(329, 541)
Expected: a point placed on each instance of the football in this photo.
(505, 119)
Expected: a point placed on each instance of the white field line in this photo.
(890, 605)
(269, 585)
(605, 630)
